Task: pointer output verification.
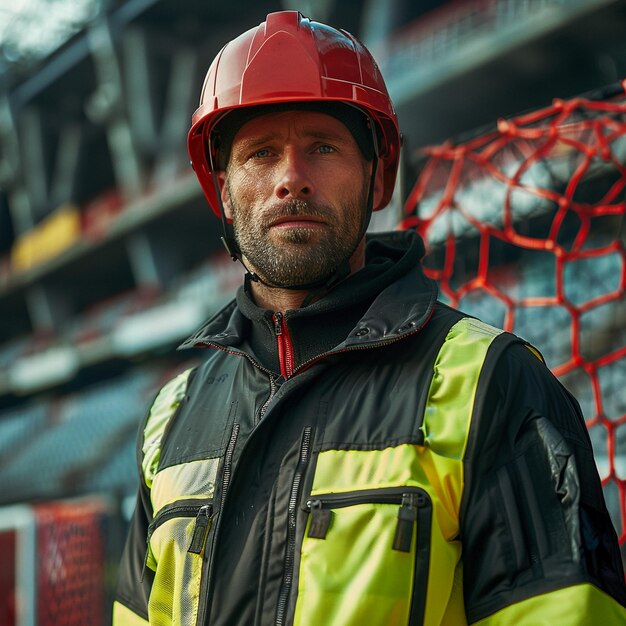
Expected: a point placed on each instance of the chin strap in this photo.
(323, 285)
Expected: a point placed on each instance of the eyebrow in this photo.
(312, 133)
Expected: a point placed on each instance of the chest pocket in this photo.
(365, 558)
(176, 541)
(178, 538)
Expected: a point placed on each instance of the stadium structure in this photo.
(513, 171)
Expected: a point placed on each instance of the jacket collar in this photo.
(387, 300)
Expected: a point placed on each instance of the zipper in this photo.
(285, 346)
(319, 357)
(207, 574)
(188, 508)
(410, 499)
(415, 506)
(388, 495)
(290, 551)
(273, 389)
(228, 463)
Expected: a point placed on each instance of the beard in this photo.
(298, 256)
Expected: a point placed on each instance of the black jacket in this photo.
(411, 465)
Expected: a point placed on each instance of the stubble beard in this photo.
(295, 258)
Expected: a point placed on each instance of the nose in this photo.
(294, 176)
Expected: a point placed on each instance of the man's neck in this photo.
(277, 299)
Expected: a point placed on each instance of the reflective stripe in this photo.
(162, 410)
(580, 605)
(194, 479)
(123, 616)
(453, 387)
(446, 425)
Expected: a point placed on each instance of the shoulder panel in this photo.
(163, 409)
(453, 387)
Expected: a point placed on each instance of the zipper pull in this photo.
(201, 529)
(278, 323)
(407, 515)
(320, 519)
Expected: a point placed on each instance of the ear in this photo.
(379, 183)
(225, 196)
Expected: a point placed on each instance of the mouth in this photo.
(297, 221)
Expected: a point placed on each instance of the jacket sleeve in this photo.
(130, 607)
(538, 542)
(135, 579)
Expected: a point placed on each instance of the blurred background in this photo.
(110, 256)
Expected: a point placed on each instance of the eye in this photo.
(325, 149)
(261, 154)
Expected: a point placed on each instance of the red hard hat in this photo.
(289, 58)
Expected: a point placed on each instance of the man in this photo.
(352, 451)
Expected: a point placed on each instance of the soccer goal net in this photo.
(55, 570)
(524, 228)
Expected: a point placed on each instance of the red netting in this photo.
(524, 227)
(70, 558)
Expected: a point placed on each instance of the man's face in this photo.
(296, 189)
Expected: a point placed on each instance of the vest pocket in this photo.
(365, 558)
(176, 541)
